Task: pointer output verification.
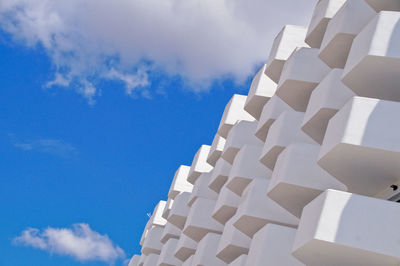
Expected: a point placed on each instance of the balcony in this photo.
(199, 164)
(216, 149)
(206, 251)
(226, 205)
(180, 182)
(219, 175)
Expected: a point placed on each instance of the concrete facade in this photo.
(305, 169)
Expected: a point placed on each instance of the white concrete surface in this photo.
(206, 251)
(199, 164)
(219, 175)
(216, 149)
(226, 205)
(180, 182)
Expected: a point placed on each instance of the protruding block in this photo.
(387, 5)
(261, 90)
(152, 243)
(300, 75)
(216, 149)
(180, 210)
(202, 190)
(373, 67)
(200, 222)
(219, 175)
(199, 164)
(273, 244)
(167, 257)
(156, 218)
(134, 260)
(272, 109)
(185, 248)
(246, 167)
(151, 260)
(361, 147)
(241, 134)
(341, 30)
(297, 178)
(323, 12)
(232, 244)
(170, 231)
(287, 40)
(167, 209)
(180, 182)
(326, 99)
(142, 260)
(340, 228)
(226, 205)
(234, 112)
(240, 261)
(189, 261)
(257, 210)
(206, 251)
(285, 130)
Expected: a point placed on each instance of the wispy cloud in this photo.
(199, 41)
(79, 242)
(46, 145)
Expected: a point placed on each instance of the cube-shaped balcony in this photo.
(323, 12)
(326, 99)
(219, 175)
(302, 72)
(273, 244)
(298, 179)
(216, 149)
(180, 210)
(257, 209)
(234, 112)
(226, 205)
(287, 40)
(241, 134)
(284, 131)
(170, 231)
(272, 109)
(180, 182)
(199, 221)
(185, 248)
(348, 229)
(261, 90)
(232, 244)
(342, 29)
(372, 69)
(199, 164)
(361, 147)
(201, 189)
(206, 251)
(152, 243)
(246, 167)
(167, 257)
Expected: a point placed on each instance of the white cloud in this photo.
(79, 242)
(199, 40)
(51, 146)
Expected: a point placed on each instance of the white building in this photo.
(305, 169)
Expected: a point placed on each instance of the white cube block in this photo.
(297, 178)
(226, 205)
(372, 69)
(340, 228)
(180, 210)
(180, 182)
(272, 109)
(287, 40)
(219, 175)
(326, 99)
(152, 243)
(285, 130)
(361, 147)
(199, 221)
(232, 244)
(241, 134)
(261, 90)
(246, 167)
(170, 231)
(134, 261)
(257, 210)
(342, 28)
(185, 248)
(216, 149)
(167, 257)
(201, 189)
(302, 72)
(206, 251)
(273, 244)
(151, 260)
(199, 164)
(234, 112)
(323, 12)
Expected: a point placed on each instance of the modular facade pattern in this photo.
(305, 169)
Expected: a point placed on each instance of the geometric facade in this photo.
(305, 169)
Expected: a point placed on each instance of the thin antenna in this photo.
(149, 214)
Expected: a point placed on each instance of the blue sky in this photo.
(94, 137)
